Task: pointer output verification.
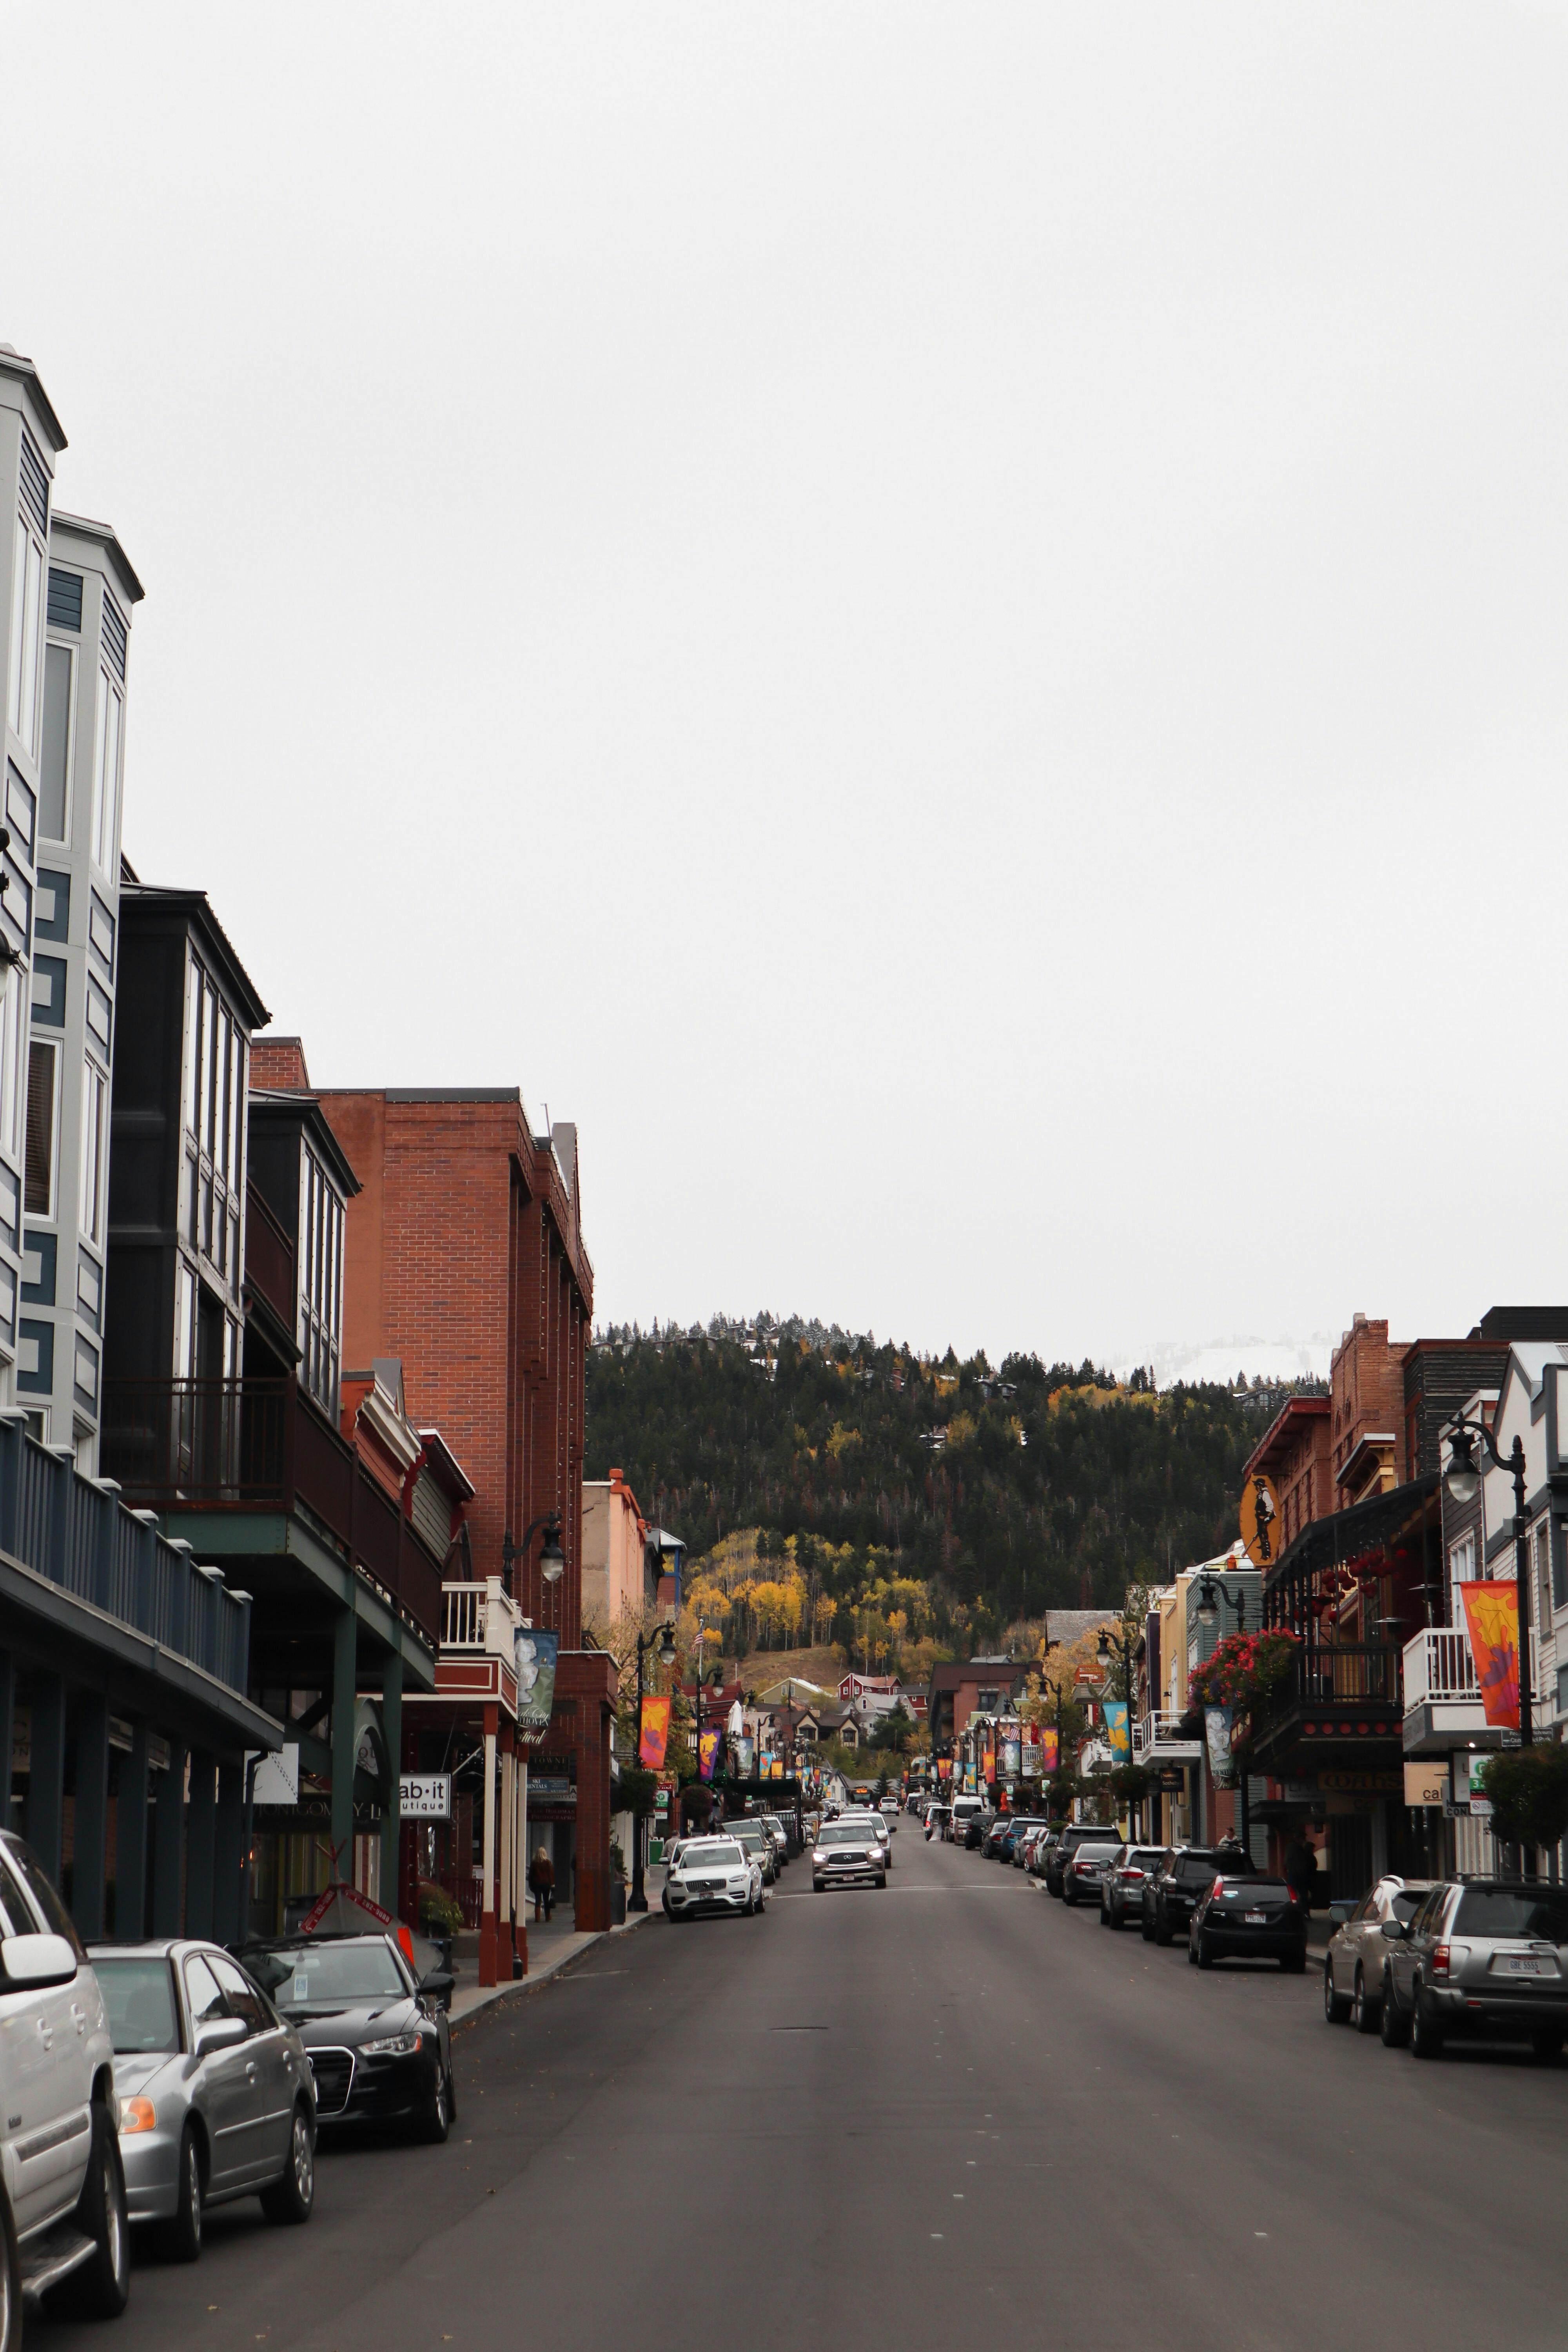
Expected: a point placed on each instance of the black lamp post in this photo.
(1103, 1657)
(665, 1642)
(1208, 1613)
(1463, 1480)
(552, 1558)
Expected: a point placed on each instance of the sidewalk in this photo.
(550, 1948)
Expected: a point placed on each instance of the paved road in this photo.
(882, 2114)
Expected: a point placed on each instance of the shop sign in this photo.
(1426, 1784)
(1259, 1521)
(1172, 1780)
(424, 1795)
(550, 1789)
(1360, 1784)
(1466, 1799)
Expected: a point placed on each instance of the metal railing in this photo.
(1162, 1729)
(1439, 1666)
(263, 1445)
(69, 1530)
(1335, 1673)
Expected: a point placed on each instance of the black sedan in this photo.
(1248, 1916)
(379, 2044)
(1172, 1892)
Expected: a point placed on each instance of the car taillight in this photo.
(1291, 1895)
(1130, 1873)
(1218, 1886)
(1440, 1959)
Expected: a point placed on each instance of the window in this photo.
(1461, 1570)
(59, 662)
(320, 1282)
(27, 601)
(94, 1087)
(106, 773)
(186, 1324)
(202, 1992)
(43, 1125)
(241, 1995)
(11, 1067)
(213, 1172)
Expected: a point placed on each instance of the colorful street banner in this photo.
(1049, 1755)
(989, 1760)
(1491, 1614)
(746, 1757)
(944, 1768)
(653, 1734)
(1012, 1759)
(1217, 1729)
(709, 1743)
(533, 1658)
(1116, 1731)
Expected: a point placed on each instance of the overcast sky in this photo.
(946, 625)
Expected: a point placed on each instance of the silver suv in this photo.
(1479, 1958)
(62, 2198)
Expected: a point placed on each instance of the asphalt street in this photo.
(916, 2114)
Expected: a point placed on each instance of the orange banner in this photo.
(653, 1736)
(1492, 1613)
(1048, 1750)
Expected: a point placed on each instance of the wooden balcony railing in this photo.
(262, 1445)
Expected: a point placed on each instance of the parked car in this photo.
(780, 1836)
(964, 1810)
(845, 1851)
(1173, 1893)
(997, 1828)
(715, 1875)
(1021, 1828)
(377, 2037)
(1247, 1914)
(1074, 1834)
(216, 2095)
(1086, 1866)
(1026, 1851)
(1483, 1959)
(917, 1805)
(937, 1818)
(757, 1842)
(1044, 1845)
(975, 1830)
(63, 2221)
(1121, 1888)
(1356, 1961)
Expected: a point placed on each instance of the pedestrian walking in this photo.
(1301, 1868)
(542, 1883)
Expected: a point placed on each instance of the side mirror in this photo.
(36, 1960)
(1394, 1930)
(220, 2033)
(438, 1987)
(1338, 1912)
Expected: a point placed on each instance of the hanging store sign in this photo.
(1426, 1784)
(424, 1795)
(1259, 1521)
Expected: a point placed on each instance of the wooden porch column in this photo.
(508, 1859)
(487, 1908)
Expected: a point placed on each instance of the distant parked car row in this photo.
(1227, 1906)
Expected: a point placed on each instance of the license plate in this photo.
(1256, 1918)
(1515, 1967)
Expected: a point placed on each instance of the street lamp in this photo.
(1108, 1645)
(552, 1558)
(665, 1641)
(1463, 1480)
(1210, 1595)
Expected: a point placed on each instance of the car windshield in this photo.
(1197, 1869)
(1406, 1904)
(724, 1853)
(310, 1975)
(749, 1833)
(1538, 1911)
(140, 1998)
(841, 1834)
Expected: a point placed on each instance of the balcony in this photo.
(1443, 1705)
(249, 1448)
(1341, 1699)
(479, 1619)
(1158, 1739)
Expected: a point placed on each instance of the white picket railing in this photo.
(479, 1617)
(1438, 1667)
(1162, 1729)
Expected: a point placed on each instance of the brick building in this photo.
(465, 1262)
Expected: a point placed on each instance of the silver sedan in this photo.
(216, 2098)
(1355, 1964)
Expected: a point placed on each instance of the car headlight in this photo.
(394, 2045)
(818, 1860)
(136, 2116)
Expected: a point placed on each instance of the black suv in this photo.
(1172, 1894)
(1076, 1833)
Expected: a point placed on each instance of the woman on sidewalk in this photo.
(541, 1882)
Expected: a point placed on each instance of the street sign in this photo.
(424, 1795)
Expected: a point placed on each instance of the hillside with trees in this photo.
(987, 1496)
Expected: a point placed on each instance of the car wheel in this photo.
(1205, 1952)
(436, 2121)
(102, 2287)
(1426, 2039)
(1114, 1918)
(1162, 1929)
(1391, 2022)
(291, 2196)
(1336, 2008)
(882, 1878)
(1145, 1928)
(183, 2233)
(1548, 2048)
(1069, 1898)
(10, 2280)
(1364, 2012)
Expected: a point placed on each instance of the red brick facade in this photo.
(463, 1258)
(1366, 1383)
(1293, 1455)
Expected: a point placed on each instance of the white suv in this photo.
(62, 2192)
